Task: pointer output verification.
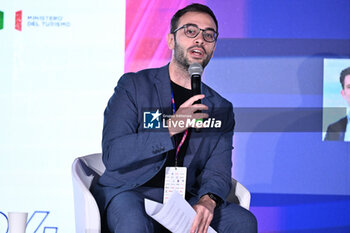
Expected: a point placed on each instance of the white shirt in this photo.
(347, 130)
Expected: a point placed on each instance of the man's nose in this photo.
(199, 40)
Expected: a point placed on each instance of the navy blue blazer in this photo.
(336, 131)
(132, 155)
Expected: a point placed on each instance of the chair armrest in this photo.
(243, 195)
(87, 215)
(239, 195)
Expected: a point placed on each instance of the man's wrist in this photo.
(215, 198)
(207, 201)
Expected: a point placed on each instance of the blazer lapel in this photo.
(162, 84)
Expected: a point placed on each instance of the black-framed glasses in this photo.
(192, 30)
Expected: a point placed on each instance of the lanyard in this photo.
(185, 133)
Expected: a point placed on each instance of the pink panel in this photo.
(147, 24)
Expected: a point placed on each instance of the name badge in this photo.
(175, 179)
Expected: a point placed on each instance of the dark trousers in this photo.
(126, 213)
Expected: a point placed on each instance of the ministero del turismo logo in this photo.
(35, 21)
(156, 120)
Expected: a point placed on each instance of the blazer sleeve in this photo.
(216, 175)
(123, 145)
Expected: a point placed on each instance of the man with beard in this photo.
(136, 159)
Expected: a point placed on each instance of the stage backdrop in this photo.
(60, 61)
(269, 64)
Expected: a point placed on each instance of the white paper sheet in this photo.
(176, 215)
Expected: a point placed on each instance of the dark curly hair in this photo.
(195, 7)
(344, 73)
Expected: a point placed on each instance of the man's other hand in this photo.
(205, 212)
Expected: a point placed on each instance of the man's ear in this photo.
(170, 40)
(342, 92)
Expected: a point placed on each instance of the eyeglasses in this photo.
(192, 30)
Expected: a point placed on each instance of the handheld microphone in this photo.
(196, 71)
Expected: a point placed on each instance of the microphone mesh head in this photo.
(195, 69)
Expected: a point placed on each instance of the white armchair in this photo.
(85, 172)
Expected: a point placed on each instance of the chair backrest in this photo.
(85, 172)
(94, 162)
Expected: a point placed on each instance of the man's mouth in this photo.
(197, 52)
